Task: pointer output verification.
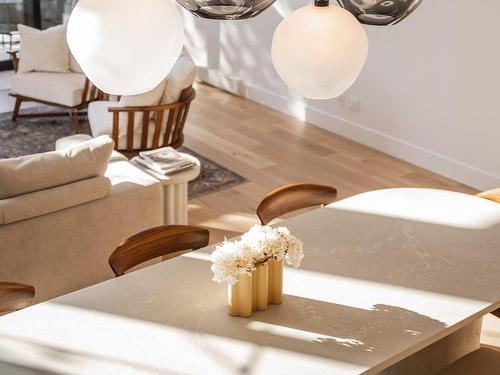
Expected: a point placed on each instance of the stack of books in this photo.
(164, 160)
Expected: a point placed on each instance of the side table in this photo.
(175, 190)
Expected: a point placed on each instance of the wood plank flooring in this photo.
(271, 149)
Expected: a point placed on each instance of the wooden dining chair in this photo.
(156, 242)
(14, 296)
(492, 195)
(294, 197)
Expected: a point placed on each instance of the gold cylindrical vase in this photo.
(275, 283)
(239, 296)
(260, 287)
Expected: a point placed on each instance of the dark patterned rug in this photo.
(35, 135)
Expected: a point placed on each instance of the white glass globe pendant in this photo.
(319, 50)
(125, 47)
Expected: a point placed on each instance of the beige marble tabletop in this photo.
(385, 274)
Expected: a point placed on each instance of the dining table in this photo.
(392, 281)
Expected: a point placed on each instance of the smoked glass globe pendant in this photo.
(380, 12)
(226, 9)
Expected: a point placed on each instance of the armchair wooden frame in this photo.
(294, 197)
(174, 113)
(14, 296)
(90, 94)
(156, 242)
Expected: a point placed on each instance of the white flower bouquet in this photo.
(259, 245)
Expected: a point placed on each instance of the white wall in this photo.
(428, 92)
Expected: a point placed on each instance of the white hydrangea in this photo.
(231, 259)
(258, 245)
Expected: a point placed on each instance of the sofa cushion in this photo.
(46, 201)
(101, 123)
(59, 88)
(43, 51)
(180, 77)
(30, 173)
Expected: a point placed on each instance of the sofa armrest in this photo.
(46, 201)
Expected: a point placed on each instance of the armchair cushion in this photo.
(36, 172)
(59, 88)
(101, 123)
(73, 64)
(180, 77)
(43, 51)
(46, 201)
(149, 98)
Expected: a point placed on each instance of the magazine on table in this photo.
(165, 160)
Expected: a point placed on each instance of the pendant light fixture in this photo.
(380, 12)
(319, 50)
(125, 47)
(226, 9)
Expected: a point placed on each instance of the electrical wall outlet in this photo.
(342, 101)
(353, 104)
(349, 102)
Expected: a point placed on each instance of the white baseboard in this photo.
(399, 148)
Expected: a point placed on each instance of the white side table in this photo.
(175, 191)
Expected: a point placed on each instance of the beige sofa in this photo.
(58, 239)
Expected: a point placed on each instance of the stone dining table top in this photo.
(385, 274)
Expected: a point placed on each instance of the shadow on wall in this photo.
(238, 48)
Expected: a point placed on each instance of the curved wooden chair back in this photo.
(154, 243)
(169, 120)
(294, 197)
(492, 195)
(14, 296)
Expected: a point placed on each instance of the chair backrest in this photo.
(154, 243)
(14, 296)
(294, 197)
(169, 123)
(492, 195)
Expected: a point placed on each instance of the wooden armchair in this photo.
(71, 92)
(169, 121)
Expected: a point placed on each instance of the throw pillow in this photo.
(43, 50)
(36, 172)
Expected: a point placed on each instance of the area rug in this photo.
(34, 135)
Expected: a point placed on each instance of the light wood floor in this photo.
(270, 149)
